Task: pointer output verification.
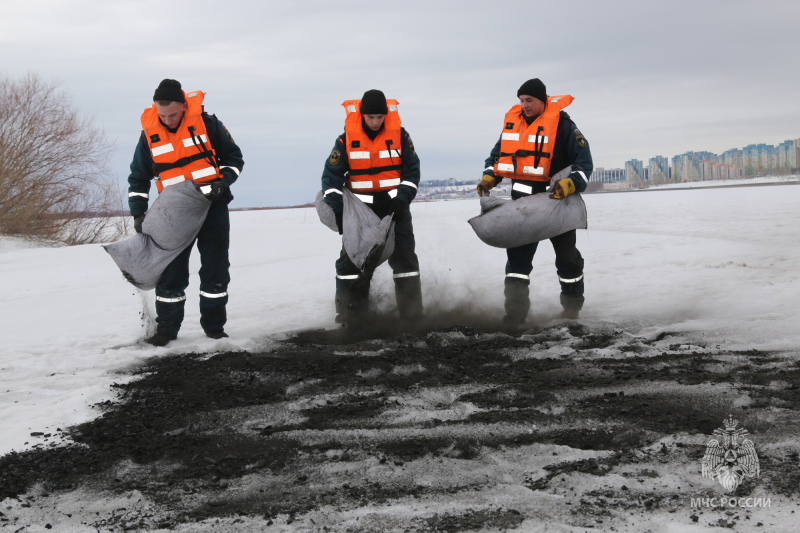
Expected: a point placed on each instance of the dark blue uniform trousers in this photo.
(352, 285)
(213, 243)
(569, 266)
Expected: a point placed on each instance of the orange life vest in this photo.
(375, 165)
(185, 154)
(527, 151)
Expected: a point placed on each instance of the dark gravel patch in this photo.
(193, 424)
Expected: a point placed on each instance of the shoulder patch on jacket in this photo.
(580, 139)
(224, 129)
(335, 158)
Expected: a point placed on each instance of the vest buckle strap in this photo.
(374, 170)
(158, 168)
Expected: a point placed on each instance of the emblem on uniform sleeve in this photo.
(336, 156)
(730, 461)
(227, 133)
(581, 140)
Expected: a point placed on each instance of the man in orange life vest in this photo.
(375, 159)
(181, 141)
(538, 140)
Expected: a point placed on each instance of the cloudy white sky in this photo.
(649, 78)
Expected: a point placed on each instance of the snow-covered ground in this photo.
(721, 266)
(724, 263)
(763, 180)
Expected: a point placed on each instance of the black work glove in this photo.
(137, 223)
(213, 190)
(398, 208)
(339, 222)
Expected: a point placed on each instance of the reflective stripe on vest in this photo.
(526, 151)
(375, 164)
(185, 154)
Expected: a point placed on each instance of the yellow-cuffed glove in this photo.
(562, 188)
(486, 184)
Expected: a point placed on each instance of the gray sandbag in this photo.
(508, 223)
(171, 225)
(368, 239)
(325, 212)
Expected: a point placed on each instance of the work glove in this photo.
(486, 183)
(213, 190)
(398, 208)
(339, 222)
(137, 223)
(562, 188)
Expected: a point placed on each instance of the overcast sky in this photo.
(649, 78)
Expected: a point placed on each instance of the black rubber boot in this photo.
(161, 339)
(518, 302)
(408, 291)
(572, 298)
(572, 305)
(352, 301)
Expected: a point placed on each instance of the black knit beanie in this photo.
(534, 88)
(169, 90)
(374, 103)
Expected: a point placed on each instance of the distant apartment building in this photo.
(659, 170)
(711, 170)
(736, 163)
(687, 167)
(733, 157)
(634, 174)
(796, 154)
(787, 154)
